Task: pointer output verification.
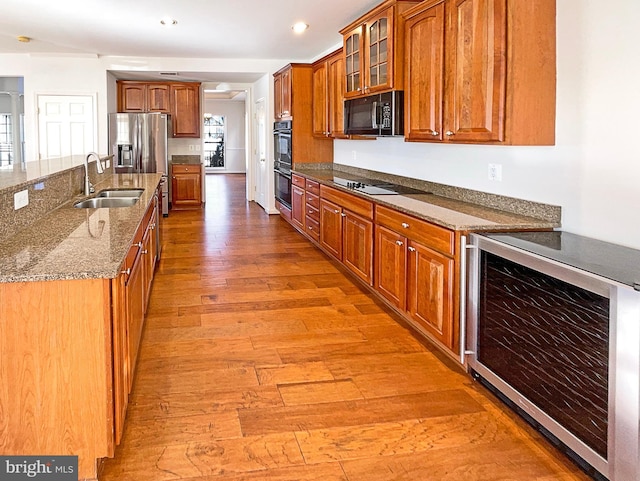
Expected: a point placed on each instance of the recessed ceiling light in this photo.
(300, 27)
(168, 21)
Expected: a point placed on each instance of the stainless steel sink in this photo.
(105, 202)
(136, 193)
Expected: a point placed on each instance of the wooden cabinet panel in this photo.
(390, 276)
(159, 98)
(357, 245)
(481, 71)
(185, 110)
(186, 186)
(477, 71)
(313, 228)
(298, 181)
(135, 298)
(425, 74)
(312, 187)
(120, 354)
(132, 97)
(436, 237)
(297, 206)
(430, 291)
(328, 96)
(353, 203)
(320, 122)
(331, 228)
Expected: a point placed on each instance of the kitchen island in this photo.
(73, 291)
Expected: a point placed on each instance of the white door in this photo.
(66, 128)
(262, 174)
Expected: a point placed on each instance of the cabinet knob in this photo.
(435, 133)
(449, 133)
(127, 272)
(343, 214)
(336, 211)
(145, 251)
(399, 242)
(412, 249)
(405, 225)
(139, 244)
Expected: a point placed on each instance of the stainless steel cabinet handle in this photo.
(336, 211)
(399, 242)
(449, 133)
(343, 214)
(139, 244)
(435, 133)
(127, 272)
(411, 249)
(405, 225)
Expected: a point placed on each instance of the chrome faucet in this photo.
(88, 188)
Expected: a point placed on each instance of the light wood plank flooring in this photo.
(261, 360)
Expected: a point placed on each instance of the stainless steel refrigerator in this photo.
(138, 143)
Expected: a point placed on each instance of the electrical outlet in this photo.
(191, 147)
(197, 147)
(20, 199)
(495, 172)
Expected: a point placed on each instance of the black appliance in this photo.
(282, 161)
(375, 187)
(379, 115)
(553, 329)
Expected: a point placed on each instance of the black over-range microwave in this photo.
(380, 114)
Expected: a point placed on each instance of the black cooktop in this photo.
(375, 187)
(611, 261)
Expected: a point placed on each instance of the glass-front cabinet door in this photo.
(353, 43)
(379, 51)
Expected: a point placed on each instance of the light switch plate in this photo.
(20, 199)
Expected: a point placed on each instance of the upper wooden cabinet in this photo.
(373, 48)
(282, 91)
(185, 109)
(181, 100)
(480, 71)
(143, 97)
(328, 96)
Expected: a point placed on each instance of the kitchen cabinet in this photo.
(185, 109)
(346, 230)
(181, 100)
(186, 186)
(293, 86)
(298, 201)
(374, 50)
(328, 96)
(480, 71)
(415, 271)
(138, 97)
(312, 209)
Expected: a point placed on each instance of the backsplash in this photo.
(45, 194)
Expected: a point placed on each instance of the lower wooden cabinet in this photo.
(413, 275)
(298, 206)
(186, 186)
(346, 230)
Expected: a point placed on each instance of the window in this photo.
(6, 141)
(214, 126)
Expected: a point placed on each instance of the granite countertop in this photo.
(71, 243)
(455, 214)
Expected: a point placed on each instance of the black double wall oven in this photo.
(282, 161)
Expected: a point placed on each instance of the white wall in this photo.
(235, 132)
(593, 171)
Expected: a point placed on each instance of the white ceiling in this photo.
(256, 29)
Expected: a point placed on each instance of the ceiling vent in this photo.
(169, 74)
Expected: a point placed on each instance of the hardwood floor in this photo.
(260, 360)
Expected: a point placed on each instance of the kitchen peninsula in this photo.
(73, 292)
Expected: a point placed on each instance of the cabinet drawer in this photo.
(350, 202)
(433, 236)
(313, 228)
(313, 213)
(297, 180)
(185, 168)
(313, 200)
(312, 186)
